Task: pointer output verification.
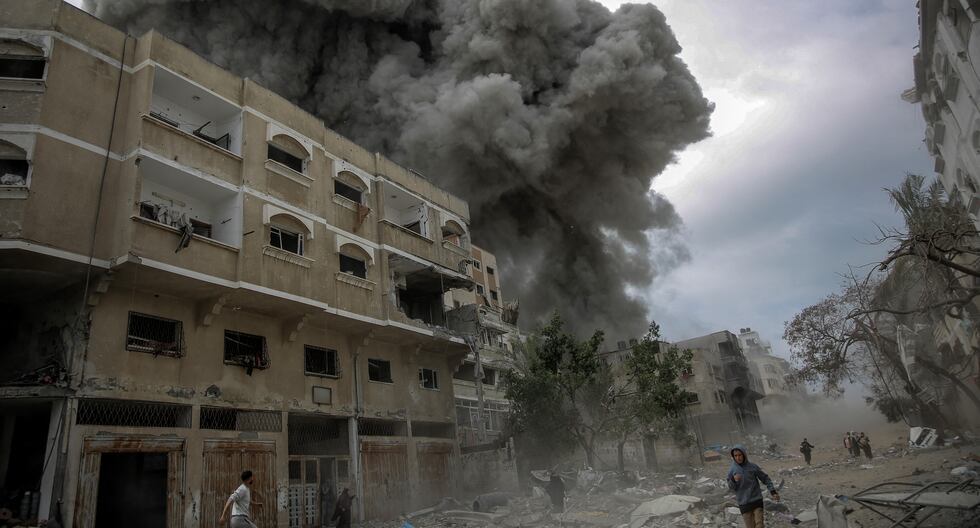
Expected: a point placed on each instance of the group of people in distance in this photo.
(855, 444)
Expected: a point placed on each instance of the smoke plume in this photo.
(551, 117)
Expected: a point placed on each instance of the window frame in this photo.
(300, 245)
(178, 330)
(480, 290)
(349, 189)
(288, 163)
(327, 363)
(387, 366)
(341, 259)
(434, 378)
(264, 364)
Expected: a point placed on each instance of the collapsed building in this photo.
(775, 374)
(200, 278)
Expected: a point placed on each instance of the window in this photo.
(354, 266)
(321, 361)
(692, 398)
(428, 379)
(155, 335)
(346, 191)
(493, 295)
(20, 60)
(246, 350)
(476, 264)
(379, 370)
(281, 156)
(721, 397)
(489, 270)
(201, 228)
(13, 165)
(286, 240)
(479, 289)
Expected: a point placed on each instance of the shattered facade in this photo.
(200, 278)
(773, 372)
(725, 407)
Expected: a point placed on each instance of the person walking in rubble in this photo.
(744, 478)
(855, 445)
(847, 443)
(240, 503)
(556, 490)
(805, 448)
(342, 511)
(865, 444)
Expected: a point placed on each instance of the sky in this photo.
(808, 129)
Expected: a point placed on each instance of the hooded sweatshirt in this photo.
(748, 494)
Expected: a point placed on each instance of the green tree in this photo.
(563, 393)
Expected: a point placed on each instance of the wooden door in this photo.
(386, 486)
(224, 462)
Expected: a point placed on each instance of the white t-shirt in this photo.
(241, 499)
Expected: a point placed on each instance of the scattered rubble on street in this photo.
(699, 497)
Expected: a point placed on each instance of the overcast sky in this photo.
(808, 129)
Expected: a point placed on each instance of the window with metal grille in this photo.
(306, 433)
(428, 379)
(321, 361)
(228, 419)
(379, 370)
(124, 413)
(354, 266)
(246, 350)
(155, 335)
(347, 191)
(368, 427)
(286, 240)
(281, 156)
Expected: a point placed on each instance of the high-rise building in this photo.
(199, 278)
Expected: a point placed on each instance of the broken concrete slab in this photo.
(471, 516)
(661, 507)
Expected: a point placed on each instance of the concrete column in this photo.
(52, 446)
(355, 466)
(6, 439)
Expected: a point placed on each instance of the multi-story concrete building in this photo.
(947, 86)
(773, 372)
(495, 332)
(200, 278)
(724, 391)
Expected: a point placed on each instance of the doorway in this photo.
(132, 490)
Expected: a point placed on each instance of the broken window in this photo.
(246, 350)
(354, 266)
(155, 335)
(476, 264)
(321, 361)
(433, 430)
(13, 165)
(428, 379)
(454, 233)
(347, 191)
(286, 240)
(379, 370)
(479, 290)
(490, 270)
(20, 60)
(692, 398)
(494, 296)
(279, 155)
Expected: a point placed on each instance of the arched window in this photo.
(354, 260)
(287, 231)
(289, 152)
(454, 233)
(14, 165)
(20, 60)
(349, 186)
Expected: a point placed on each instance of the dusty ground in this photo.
(832, 473)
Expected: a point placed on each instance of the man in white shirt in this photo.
(240, 501)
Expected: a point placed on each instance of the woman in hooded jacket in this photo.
(744, 478)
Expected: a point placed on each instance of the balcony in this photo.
(419, 291)
(187, 221)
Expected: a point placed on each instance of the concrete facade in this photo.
(725, 407)
(947, 87)
(201, 278)
(774, 373)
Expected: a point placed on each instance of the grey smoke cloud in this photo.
(551, 117)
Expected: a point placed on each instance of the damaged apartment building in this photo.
(722, 401)
(200, 278)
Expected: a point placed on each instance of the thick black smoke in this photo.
(551, 117)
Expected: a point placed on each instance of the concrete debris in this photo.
(660, 507)
(964, 472)
(771, 505)
(867, 466)
(920, 437)
(487, 502)
(831, 512)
